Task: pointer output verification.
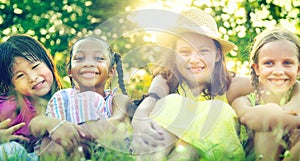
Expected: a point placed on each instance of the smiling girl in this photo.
(275, 57)
(88, 104)
(29, 78)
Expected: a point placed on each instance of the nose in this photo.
(89, 62)
(195, 57)
(278, 70)
(32, 76)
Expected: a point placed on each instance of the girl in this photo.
(275, 57)
(29, 78)
(92, 64)
(195, 68)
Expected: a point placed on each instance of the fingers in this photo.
(67, 145)
(67, 136)
(4, 123)
(82, 132)
(157, 133)
(139, 146)
(19, 137)
(16, 127)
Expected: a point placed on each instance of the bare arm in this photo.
(240, 86)
(160, 87)
(120, 105)
(293, 105)
(66, 133)
(147, 133)
(41, 125)
(241, 105)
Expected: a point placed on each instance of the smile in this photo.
(39, 85)
(89, 74)
(278, 82)
(196, 69)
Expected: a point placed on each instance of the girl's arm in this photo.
(160, 87)
(145, 129)
(120, 105)
(240, 86)
(293, 105)
(270, 115)
(64, 133)
(241, 105)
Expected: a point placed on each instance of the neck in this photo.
(99, 90)
(196, 88)
(278, 98)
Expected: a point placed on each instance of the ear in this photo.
(256, 69)
(112, 71)
(69, 72)
(298, 71)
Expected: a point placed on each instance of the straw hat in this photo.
(197, 21)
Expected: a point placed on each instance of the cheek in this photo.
(47, 74)
(22, 88)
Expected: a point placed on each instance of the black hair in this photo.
(115, 58)
(28, 48)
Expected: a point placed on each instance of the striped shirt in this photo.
(78, 107)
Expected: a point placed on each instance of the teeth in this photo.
(38, 85)
(89, 75)
(196, 69)
(277, 81)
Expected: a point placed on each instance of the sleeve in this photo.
(58, 104)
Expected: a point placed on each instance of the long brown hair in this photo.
(221, 77)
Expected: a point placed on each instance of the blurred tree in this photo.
(53, 23)
(56, 23)
(240, 21)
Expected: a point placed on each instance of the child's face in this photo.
(31, 79)
(196, 57)
(90, 64)
(278, 66)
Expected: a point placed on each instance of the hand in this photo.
(6, 134)
(106, 131)
(67, 135)
(263, 117)
(147, 135)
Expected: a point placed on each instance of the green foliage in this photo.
(57, 23)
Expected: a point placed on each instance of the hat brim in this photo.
(177, 31)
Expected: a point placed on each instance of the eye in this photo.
(98, 58)
(184, 52)
(18, 76)
(36, 65)
(78, 58)
(204, 51)
(287, 62)
(268, 63)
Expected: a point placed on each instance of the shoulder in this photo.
(121, 98)
(240, 86)
(63, 93)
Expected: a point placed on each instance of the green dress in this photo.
(209, 125)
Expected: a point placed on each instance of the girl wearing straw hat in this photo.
(195, 68)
